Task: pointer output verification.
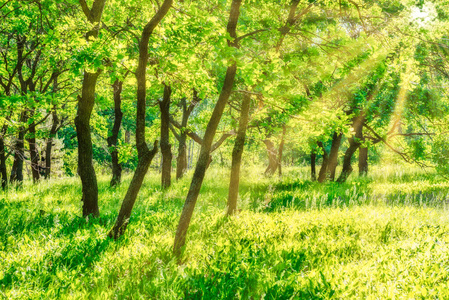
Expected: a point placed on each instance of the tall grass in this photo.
(381, 237)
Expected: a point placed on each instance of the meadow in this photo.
(385, 236)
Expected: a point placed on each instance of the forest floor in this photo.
(381, 237)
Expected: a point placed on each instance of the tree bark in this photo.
(145, 156)
(19, 152)
(182, 161)
(49, 148)
(3, 169)
(333, 155)
(204, 157)
(313, 166)
(113, 139)
(82, 120)
(354, 143)
(281, 150)
(164, 106)
(322, 175)
(85, 152)
(237, 155)
(34, 153)
(272, 158)
(132, 193)
(363, 161)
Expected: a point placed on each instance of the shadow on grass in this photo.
(77, 256)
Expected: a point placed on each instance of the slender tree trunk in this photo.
(113, 139)
(132, 193)
(164, 106)
(333, 155)
(313, 165)
(50, 140)
(19, 152)
(347, 168)
(82, 120)
(34, 153)
(145, 156)
(237, 155)
(182, 162)
(322, 175)
(272, 158)
(281, 150)
(363, 161)
(204, 157)
(354, 144)
(3, 170)
(85, 152)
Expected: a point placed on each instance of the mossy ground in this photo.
(381, 237)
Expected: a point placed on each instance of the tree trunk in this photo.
(323, 170)
(82, 120)
(34, 153)
(182, 162)
(281, 150)
(354, 143)
(272, 158)
(3, 170)
(313, 165)
(53, 131)
(363, 161)
(19, 152)
(204, 157)
(164, 106)
(237, 155)
(113, 139)
(132, 193)
(85, 152)
(145, 156)
(333, 155)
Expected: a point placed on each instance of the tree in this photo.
(164, 106)
(82, 121)
(204, 157)
(145, 156)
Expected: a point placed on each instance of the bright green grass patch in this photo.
(351, 242)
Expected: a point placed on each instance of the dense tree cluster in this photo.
(315, 81)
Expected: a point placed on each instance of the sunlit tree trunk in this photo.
(145, 156)
(333, 155)
(354, 144)
(182, 161)
(237, 155)
(272, 158)
(204, 157)
(281, 150)
(363, 161)
(164, 106)
(322, 174)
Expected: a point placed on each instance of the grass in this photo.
(381, 237)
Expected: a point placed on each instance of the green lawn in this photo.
(381, 237)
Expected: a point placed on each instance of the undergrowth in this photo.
(385, 236)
